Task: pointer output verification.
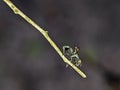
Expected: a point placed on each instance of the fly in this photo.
(72, 55)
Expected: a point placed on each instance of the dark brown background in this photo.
(28, 62)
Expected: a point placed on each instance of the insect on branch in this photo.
(45, 34)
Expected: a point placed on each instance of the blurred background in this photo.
(28, 62)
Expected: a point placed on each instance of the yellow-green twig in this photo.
(45, 34)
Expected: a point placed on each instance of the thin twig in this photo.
(45, 34)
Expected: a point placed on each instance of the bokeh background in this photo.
(28, 62)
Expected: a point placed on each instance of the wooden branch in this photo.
(45, 34)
